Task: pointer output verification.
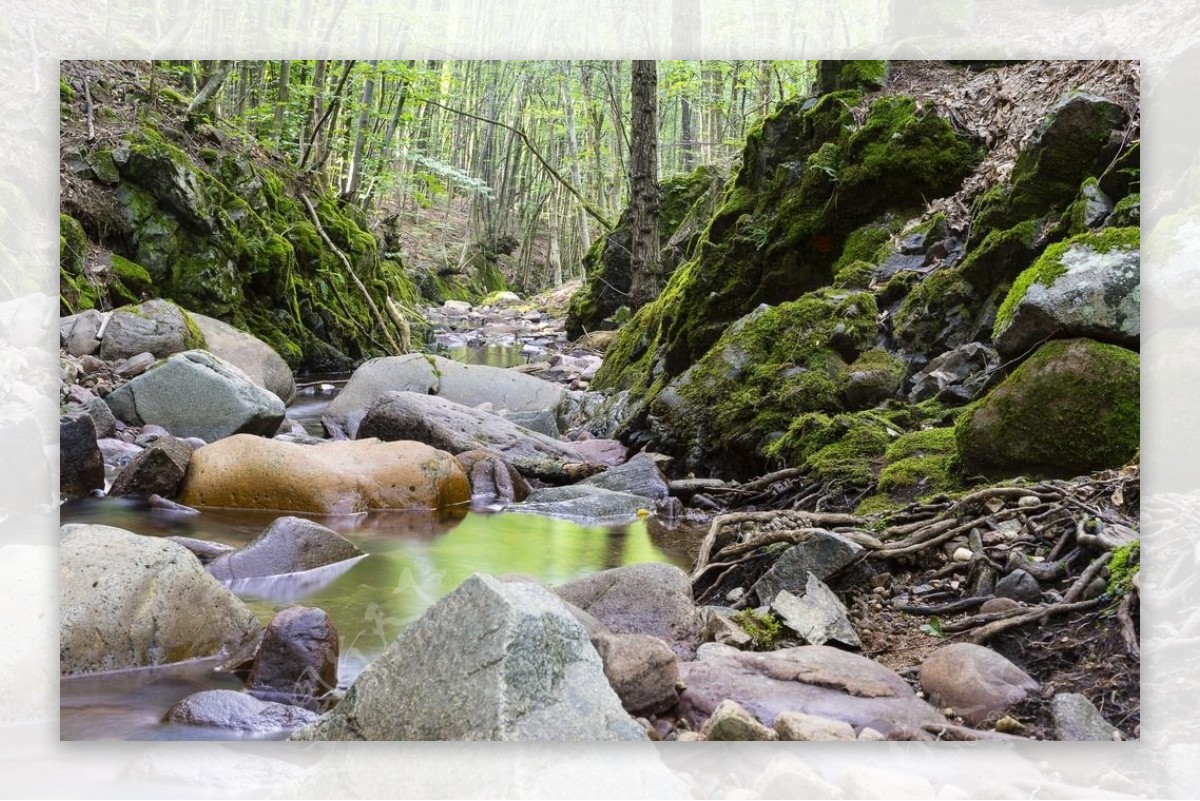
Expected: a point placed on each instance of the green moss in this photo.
(854, 457)
(170, 95)
(133, 275)
(72, 245)
(855, 275)
(1127, 212)
(66, 93)
(862, 75)
(1122, 567)
(1000, 256)
(921, 443)
(869, 243)
(763, 628)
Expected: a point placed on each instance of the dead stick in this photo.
(91, 111)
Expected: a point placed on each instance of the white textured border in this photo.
(35, 35)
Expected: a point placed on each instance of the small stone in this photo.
(797, 726)
(962, 555)
(1028, 501)
(731, 722)
(1020, 586)
(135, 365)
(870, 735)
(999, 605)
(735, 595)
(1009, 725)
(1077, 719)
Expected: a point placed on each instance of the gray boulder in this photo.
(81, 462)
(639, 476)
(197, 394)
(131, 601)
(1088, 286)
(157, 470)
(204, 550)
(489, 661)
(1077, 719)
(654, 599)
(227, 709)
(455, 428)
(813, 679)
(251, 355)
(578, 502)
(468, 385)
(543, 421)
(157, 326)
(289, 545)
(975, 681)
(80, 333)
(822, 553)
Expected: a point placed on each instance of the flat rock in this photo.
(247, 472)
(81, 462)
(204, 550)
(654, 599)
(135, 365)
(578, 502)
(251, 355)
(1077, 719)
(227, 709)
(817, 616)
(289, 545)
(158, 470)
(608, 452)
(813, 679)
(797, 726)
(489, 661)
(822, 553)
(132, 601)
(978, 683)
(639, 476)
(156, 326)
(195, 393)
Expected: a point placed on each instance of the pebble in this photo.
(962, 555)
(735, 595)
(1029, 501)
(1008, 725)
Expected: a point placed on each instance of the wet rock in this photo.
(79, 333)
(157, 326)
(817, 616)
(81, 463)
(132, 601)
(204, 550)
(639, 476)
(251, 355)
(297, 661)
(456, 307)
(289, 545)
(135, 365)
(247, 472)
(455, 428)
(813, 679)
(117, 452)
(1019, 586)
(1088, 286)
(641, 669)
(810, 728)
(509, 663)
(1077, 719)
(579, 502)
(654, 599)
(730, 722)
(157, 470)
(492, 477)
(596, 340)
(197, 394)
(227, 709)
(822, 554)
(978, 683)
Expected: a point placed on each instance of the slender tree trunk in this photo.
(360, 135)
(201, 101)
(281, 99)
(572, 145)
(643, 183)
(687, 143)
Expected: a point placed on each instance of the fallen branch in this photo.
(91, 111)
(985, 633)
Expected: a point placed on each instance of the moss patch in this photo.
(763, 628)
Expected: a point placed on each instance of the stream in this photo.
(413, 559)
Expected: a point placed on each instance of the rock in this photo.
(866, 389)
(247, 472)
(730, 722)
(639, 476)
(579, 502)
(608, 452)
(456, 307)
(204, 550)
(289, 545)
(597, 340)
(822, 553)
(998, 605)
(135, 365)
(492, 477)
(955, 374)
(251, 355)
(543, 422)
(978, 683)
(227, 709)
(117, 452)
(468, 385)
(131, 601)
(502, 299)
(1071, 408)
(1020, 586)
(814, 679)
(642, 670)
(81, 465)
(489, 661)
(817, 616)
(80, 332)
(718, 627)
(102, 417)
(157, 326)
(1077, 719)
(197, 394)
(157, 470)
(1088, 286)
(297, 661)
(810, 728)
(455, 428)
(654, 599)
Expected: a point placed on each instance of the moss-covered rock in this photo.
(916, 466)
(1071, 408)
(874, 377)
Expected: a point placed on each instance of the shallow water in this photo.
(413, 558)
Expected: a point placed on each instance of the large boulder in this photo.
(227, 709)
(1088, 286)
(1073, 407)
(469, 385)
(813, 679)
(157, 470)
(132, 601)
(654, 599)
(297, 661)
(489, 661)
(289, 545)
(196, 394)
(247, 472)
(452, 427)
(251, 355)
(976, 682)
(156, 326)
(81, 467)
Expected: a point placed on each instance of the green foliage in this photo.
(763, 628)
(1122, 567)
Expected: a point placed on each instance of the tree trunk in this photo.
(687, 142)
(360, 134)
(643, 183)
(572, 145)
(200, 102)
(281, 99)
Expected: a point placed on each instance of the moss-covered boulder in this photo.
(1071, 408)
(1088, 286)
(158, 327)
(874, 377)
(916, 466)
